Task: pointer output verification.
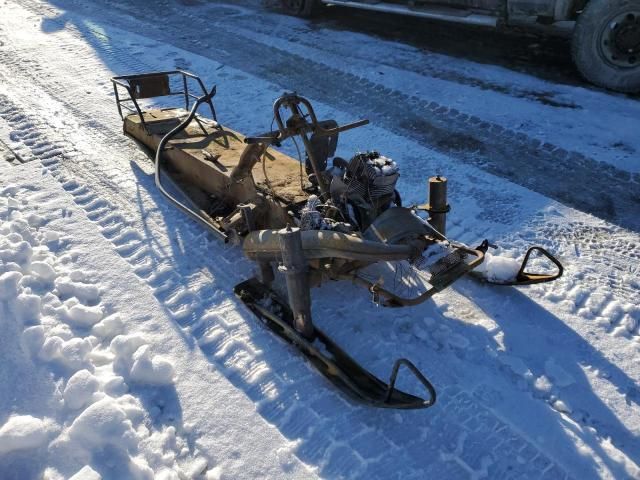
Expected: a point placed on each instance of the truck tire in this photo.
(606, 44)
(300, 8)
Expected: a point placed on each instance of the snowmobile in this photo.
(311, 221)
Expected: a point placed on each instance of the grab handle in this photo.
(525, 278)
(418, 374)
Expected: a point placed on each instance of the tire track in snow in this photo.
(64, 91)
(613, 194)
(619, 324)
(223, 335)
(608, 300)
(61, 90)
(138, 259)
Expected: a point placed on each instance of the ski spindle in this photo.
(294, 267)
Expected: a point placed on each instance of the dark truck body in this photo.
(605, 33)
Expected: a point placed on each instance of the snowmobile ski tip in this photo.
(336, 365)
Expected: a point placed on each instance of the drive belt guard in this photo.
(329, 359)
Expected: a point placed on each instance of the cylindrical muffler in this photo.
(295, 269)
(438, 207)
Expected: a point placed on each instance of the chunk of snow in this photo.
(167, 474)
(61, 330)
(19, 252)
(132, 407)
(51, 299)
(10, 267)
(629, 323)
(80, 389)
(35, 220)
(197, 467)
(559, 375)
(498, 269)
(44, 271)
(101, 424)
(86, 473)
(27, 308)
(620, 331)
(214, 474)
(151, 370)
(51, 237)
(561, 406)
(123, 346)
(74, 352)
(33, 339)
(109, 327)
(114, 386)
(9, 287)
(84, 316)
(51, 348)
(82, 291)
(543, 384)
(22, 432)
(77, 276)
(613, 311)
(139, 469)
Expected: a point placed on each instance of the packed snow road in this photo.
(538, 382)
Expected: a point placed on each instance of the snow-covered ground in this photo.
(96, 375)
(125, 354)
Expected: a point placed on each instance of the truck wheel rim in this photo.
(620, 40)
(294, 5)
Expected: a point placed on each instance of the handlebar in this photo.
(276, 136)
(297, 123)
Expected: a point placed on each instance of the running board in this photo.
(328, 358)
(431, 12)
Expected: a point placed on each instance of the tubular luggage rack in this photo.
(156, 84)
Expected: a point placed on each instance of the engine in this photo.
(361, 189)
(365, 187)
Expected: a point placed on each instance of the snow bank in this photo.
(22, 432)
(58, 309)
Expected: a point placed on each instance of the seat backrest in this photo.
(150, 86)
